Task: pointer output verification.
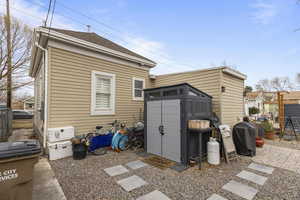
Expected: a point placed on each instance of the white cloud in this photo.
(34, 13)
(157, 52)
(264, 12)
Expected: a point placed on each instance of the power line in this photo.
(116, 36)
(53, 10)
(49, 8)
(120, 38)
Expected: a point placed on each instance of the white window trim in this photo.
(137, 98)
(110, 111)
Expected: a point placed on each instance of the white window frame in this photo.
(111, 110)
(133, 88)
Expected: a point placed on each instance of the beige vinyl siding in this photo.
(232, 104)
(39, 88)
(207, 81)
(70, 91)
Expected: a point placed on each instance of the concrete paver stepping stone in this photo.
(261, 168)
(116, 170)
(136, 164)
(260, 180)
(240, 189)
(216, 197)
(131, 183)
(155, 195)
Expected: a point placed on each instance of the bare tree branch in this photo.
(21, 40)
(275, 84)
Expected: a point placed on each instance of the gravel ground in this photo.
(85, 179)
(284, 143)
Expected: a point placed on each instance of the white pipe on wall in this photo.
(46, 94)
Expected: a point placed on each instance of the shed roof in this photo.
(178, 85)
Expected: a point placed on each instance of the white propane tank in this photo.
(213, 151)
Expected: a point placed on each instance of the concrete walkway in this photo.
(281, 157)
(45, 185)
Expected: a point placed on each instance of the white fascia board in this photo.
(97, 47)
(234, 73)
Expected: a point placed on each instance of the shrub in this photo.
(253, 110)
(267, 126)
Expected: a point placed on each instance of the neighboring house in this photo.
(253, 99)
(17, 105)
(267, 101)
(292, 97)
(84, 80)
(28, 104)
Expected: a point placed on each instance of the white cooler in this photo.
(60, 134)
(59, 150)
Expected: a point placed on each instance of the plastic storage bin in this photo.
(59, 150)
(100, 141)
(17, 160)
(60, 134)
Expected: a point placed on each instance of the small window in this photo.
(138, 85)
(103, 93)
(170, 93)
(154, 94)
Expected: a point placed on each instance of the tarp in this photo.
(244, 135)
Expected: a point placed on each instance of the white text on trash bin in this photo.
(8, 175)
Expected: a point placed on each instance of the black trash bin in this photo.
(17, 160)
(244, 135)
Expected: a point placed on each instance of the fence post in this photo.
(5, 124)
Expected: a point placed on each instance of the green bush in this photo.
(253, 110)
(267, 126)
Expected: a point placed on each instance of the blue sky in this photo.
(256, 37)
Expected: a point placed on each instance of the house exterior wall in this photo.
(70, 91)
(228, 105)
(208, 81)
(232, 100)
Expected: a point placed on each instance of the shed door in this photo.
(166, 113)
(153, 122)
(171, 122)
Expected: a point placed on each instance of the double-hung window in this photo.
(103, 93)
(138, 85)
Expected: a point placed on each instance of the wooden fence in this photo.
(5, 124)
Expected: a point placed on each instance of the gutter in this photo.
(234, 73)
(46, 93)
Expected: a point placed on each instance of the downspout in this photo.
(46, 93)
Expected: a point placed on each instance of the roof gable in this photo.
(97, 39)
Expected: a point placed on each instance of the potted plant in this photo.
(269, 130)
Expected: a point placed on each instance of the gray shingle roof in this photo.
(97, 39)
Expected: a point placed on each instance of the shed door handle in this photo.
(161, 129)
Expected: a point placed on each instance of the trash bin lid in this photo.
(19, 148)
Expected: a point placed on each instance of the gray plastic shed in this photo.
(166, 113)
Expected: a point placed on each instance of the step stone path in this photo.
(249, 176)
(216, 197)
(155, 195)
(261, 168)
(240, 189)
(136, 164)
(244, 190)
(134, 182)
(131, 183)
(116, 170)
